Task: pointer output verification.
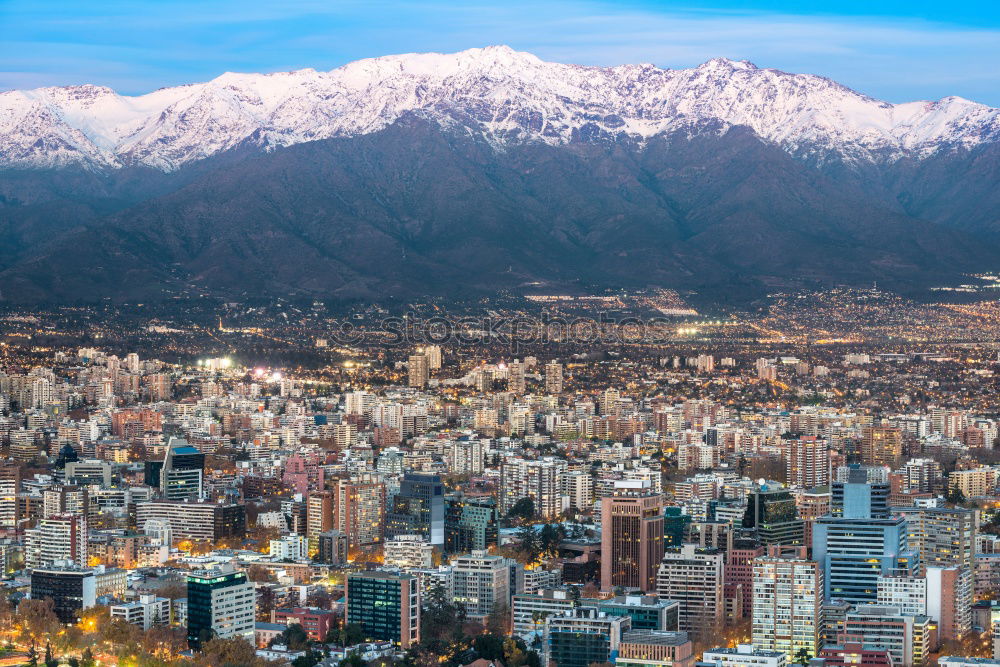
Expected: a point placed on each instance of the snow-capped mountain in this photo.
(503, 95)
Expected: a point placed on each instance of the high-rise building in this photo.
(515, 378)
(739, 571)
(471, 523)
(195, 521)
(60, 537)
(941, 535)
(539, 480)
(693, 576)
(773, 515)
(319, 513)
(386, 606)
(409, 552)
(332, 547)
(909, 639)
(418, 368)
(418, 508)
(359, 510)
(71, 588)
(553, 378)
(856, 548)
(631, 537)
(221, 604)
(787, 601)
(944, 593)
(808, 463)
(180, 475)
(881, 445)
(482, 583)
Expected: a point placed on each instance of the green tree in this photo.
(522, 509)
(802, 656)
(489, 646)
(87, 658)
(352, 660)
(294, 637)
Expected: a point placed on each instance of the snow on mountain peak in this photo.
(502, 94)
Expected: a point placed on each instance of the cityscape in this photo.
(558, 333)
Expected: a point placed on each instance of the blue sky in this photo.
(891, 49)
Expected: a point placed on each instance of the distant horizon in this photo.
(897, 52)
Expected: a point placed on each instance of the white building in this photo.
(744, 655)
(290, 547)
(409, 551)
(145, 612)
(482, 582)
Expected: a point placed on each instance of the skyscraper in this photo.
(221, 604)
(693, 576)
(418, 508)
(418, 368)
(631, 537)
(808, 464)
(858, 546)
(787, 601)
(553, 378)
(881, 445)
(180, 475)
(772, 513)
(359, 510)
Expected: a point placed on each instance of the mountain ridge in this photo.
(506, 96)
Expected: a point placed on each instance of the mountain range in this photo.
(463, 174)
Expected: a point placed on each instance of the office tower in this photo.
(515, 378)
(408, 552)
(870, 495)
(881, 446)
(739, 571)
(675, 526)
(909, 639)
(180, 475)
(553, 378)
(787, 601)
(471, 523)
(386, 606)
(644, 648)
(71, 588)
(482, 583)
(359, 510)
(332, 547)
(221, 604)
(693, 577)
(319, 514)
(808, 462)
(631, 537)
(648, 612)
(772, 514)
(583, 637)
(941, 535)
(196, 521)
(418, 508)
(539, 480)
(60, 537)
(857, 547)
(418, 369)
